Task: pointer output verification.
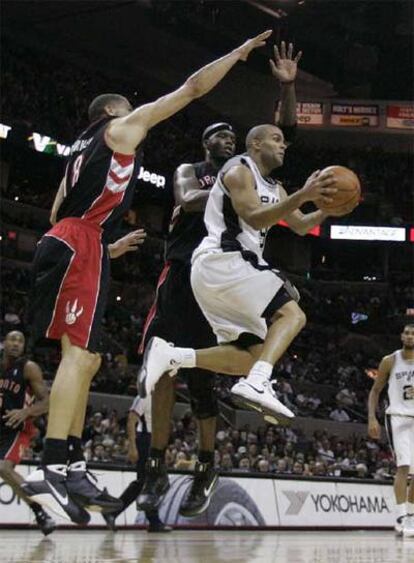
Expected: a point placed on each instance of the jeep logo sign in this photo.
(156, 179)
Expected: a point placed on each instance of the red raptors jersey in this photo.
(99, 182)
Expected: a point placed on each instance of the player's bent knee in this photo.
(293, 313)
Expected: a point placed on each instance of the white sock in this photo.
(400, 510)
(410, 508)
(186, 357)
(260, 370)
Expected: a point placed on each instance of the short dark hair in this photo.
(97, 106)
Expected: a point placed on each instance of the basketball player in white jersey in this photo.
(238, 292)
(397, 370)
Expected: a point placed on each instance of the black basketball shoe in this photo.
(83, 487)
(45, 522)
(156, 484)
(110, 518)
(47, 486)
(203, 485)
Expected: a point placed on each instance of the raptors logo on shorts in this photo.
(71, 265)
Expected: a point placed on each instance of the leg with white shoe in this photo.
(408, 530)
(256, 391)
(400, 492)
(257, 361)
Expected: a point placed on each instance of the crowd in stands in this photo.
(281, 451)
(59, 109)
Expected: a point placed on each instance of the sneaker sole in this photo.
(48, 500)
(142, 379)
(269, 415)
(203, 508)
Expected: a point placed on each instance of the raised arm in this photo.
(285, 68)
(59, 197)
(374, 429)
(240, 182)
(126, 133)
(187, 191)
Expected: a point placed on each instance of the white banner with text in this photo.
(244, 502)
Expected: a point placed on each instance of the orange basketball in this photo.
(349, 191)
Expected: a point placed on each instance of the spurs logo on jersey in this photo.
(401, 386)
(226, 230)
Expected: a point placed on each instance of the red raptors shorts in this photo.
(70, 285)
(14, 444)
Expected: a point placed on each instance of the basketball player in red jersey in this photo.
(71, 273)
(21, 381)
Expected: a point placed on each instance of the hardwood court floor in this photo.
(237, 546)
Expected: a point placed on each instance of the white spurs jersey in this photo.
(401, 386)
(226, 231)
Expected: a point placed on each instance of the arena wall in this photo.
(245, 502)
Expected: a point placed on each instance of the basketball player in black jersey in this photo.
(21, 381)
(176, 315)
(71, 272)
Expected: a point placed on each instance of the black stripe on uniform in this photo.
(388, 431)
(229, 242)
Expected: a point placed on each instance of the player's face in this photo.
(407, 338)
(14, 344)
(222, 145)
(273, 148)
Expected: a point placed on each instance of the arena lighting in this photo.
(4, 131)
(361, 232)
(412, 235)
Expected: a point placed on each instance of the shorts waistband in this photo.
(84, 223)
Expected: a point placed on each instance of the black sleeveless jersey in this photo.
(99, 183)
(187, 228)
(15, 392)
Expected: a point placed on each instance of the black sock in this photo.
(75, 452)
(205, 456)
(55, 452)
(36, 507)
(157, 454)
(130, 494)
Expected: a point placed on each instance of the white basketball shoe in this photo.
(159, 357)
(261, 396)
(408, 526)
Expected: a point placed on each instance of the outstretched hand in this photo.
(285, 67)
(128, 243)
(254, 43)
